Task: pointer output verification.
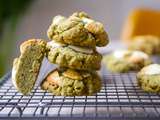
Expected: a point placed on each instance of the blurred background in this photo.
(24, 19)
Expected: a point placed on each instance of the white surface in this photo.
(14, 72)
(113, 45)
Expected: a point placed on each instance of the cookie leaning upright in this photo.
(78, 29)
(26, 67)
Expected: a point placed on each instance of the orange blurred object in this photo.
(141, 21)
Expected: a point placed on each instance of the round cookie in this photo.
(79, 30)
(69, 82)
(73, 56)
(147, 43)
(125, 60)
(149, 78)
(26, 67)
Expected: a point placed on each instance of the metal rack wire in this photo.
(119, 98)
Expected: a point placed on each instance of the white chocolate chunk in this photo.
(54, 44)
(81, 49)
(120, 53)
(54, 78)
(140, 54)
(57, 19)
(152, 69)
(87, 20)
(133, 54)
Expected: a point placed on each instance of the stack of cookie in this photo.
(73, 47)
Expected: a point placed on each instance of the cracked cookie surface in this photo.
(78, 29)
(73, 57)
(124, 60)
(69, 82)
(149, 78)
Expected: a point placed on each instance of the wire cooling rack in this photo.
(119, 98)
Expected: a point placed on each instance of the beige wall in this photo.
(110, 12)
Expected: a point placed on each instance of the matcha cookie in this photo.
(79, 30)
(149, 78)
(73, 56)
(26, 67)
(125, 60)
(147, 43)
(68, 82)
